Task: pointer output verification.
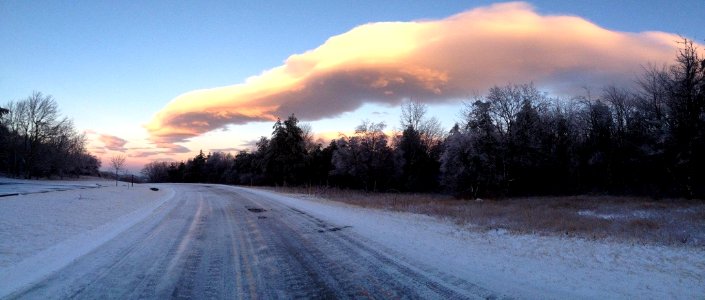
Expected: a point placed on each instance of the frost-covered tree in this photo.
(156, 171)
(365, 158)
(456, 164)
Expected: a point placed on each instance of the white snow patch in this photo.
(590, 213)
(523, 266)
(41, 233)
(637, 214)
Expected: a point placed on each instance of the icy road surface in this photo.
(224, 242)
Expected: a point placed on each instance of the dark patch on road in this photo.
(320, 223)
(338, 228)
(256, 209)
(261, 217)
(334, 229)
(154, 189)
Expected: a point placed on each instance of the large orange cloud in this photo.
(437, 60)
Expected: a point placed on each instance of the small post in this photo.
(132, 181)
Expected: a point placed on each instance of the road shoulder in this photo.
(41, 233)
(526, 266)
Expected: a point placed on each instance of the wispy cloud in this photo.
(430, 60)
(161, 149)
(112, 143)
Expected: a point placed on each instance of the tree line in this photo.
(515, 140)
(35, 141)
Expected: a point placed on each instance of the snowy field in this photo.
(41, 233)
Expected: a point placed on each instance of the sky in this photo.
(161, 80)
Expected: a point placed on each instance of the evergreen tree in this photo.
(286, 156)
(418, 169)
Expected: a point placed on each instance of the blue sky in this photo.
(112, 65)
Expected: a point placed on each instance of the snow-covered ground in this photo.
(519, 265)
(42, 232)
(13, 187)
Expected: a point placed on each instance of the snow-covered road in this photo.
(212, 241)
(222, 242)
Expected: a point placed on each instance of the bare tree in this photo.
(413, 115)
(36, 120)
(621, 101)
(652, 91)
(507, 101)
(117, 162)
(309, 143)
(37, 141)
(432, 132)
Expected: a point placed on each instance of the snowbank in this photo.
(41, 233)
(523, 266)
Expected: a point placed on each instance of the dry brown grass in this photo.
(631, 219)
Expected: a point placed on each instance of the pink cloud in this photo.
(431, 61)
(113, 143)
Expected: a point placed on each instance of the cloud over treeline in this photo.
(101, 143)
(429, 60)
